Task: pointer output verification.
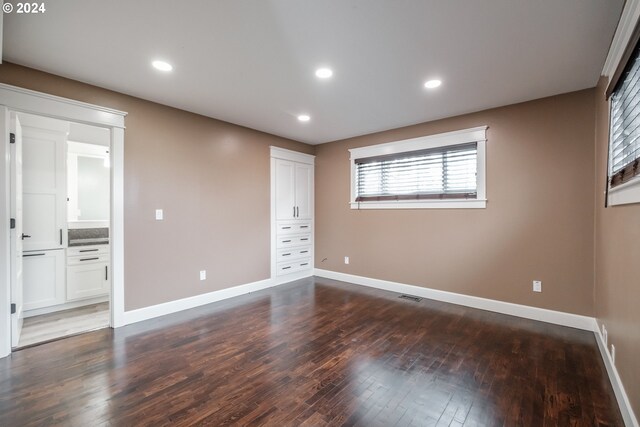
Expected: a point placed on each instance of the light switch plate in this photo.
(203, 274)
(346, 260)
(537, 286)
(159, 215)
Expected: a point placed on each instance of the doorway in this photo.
(16, 104)
(60, 195)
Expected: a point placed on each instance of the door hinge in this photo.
(12, 223)
(13, 308)
(12, 138)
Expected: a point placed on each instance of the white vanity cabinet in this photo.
(88, 272)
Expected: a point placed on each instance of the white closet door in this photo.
(304, 191)
(44, 188)
(285, 184)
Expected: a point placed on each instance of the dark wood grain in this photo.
(312, 353)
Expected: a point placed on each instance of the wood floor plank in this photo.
(315, 352)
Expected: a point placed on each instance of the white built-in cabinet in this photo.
(292, 214)
(43, 278)
(293, 189)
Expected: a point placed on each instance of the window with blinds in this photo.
(438, 173)
(624, 148)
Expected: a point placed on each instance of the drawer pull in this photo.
(304, 239)
(286, 228)
(286, 241)
(88, 250)
(304, 263)
(89, 259)
(303, 252)
(286, 268)
(286, 254)
(304, 226)
(25, 255)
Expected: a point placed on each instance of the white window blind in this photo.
(448, 172)
(624, 149)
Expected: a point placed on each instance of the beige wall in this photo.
(538, 223)
(617, 265)
(210, 177)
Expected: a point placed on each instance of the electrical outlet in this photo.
(203, 274)
(537, 286)
(604, 335)
(613, 354)
(159, 215)
(346, 260)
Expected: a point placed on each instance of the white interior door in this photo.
(17, 289)
(44, 183)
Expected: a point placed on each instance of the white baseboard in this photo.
(628, 416)
(158, 310)
(65, 306)
(541, 314)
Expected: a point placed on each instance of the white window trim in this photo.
(625, 194)
(477, 134)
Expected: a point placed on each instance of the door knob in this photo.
(25, 236)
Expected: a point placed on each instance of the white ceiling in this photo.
(252, 62)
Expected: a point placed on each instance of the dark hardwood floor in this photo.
(313, 353)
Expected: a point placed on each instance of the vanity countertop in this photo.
(88, 236)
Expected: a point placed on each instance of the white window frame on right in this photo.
(477, 135)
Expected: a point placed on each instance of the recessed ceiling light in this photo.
(162, 65)
(304, 118)
(432, 84)
(324, 73)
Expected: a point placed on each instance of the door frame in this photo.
(13, 98)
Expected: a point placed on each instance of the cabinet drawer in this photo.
(286, 228)
(290, 241)
(87, 250)
(291, 267)
(90, 258)
(288, 254)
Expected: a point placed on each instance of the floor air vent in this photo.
(410, 298)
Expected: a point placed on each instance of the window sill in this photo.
(421, 204)
(625, 194)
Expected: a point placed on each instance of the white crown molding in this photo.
(626, 410)
(525, 311)
(626, 25)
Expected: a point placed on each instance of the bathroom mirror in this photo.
(88, 180)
